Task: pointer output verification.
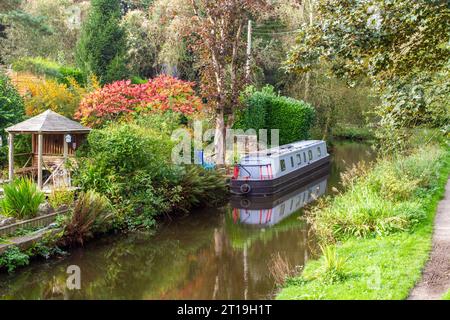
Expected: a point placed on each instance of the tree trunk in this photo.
(219, 138)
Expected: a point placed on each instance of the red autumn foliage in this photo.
(122, 98)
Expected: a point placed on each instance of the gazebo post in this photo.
(66, 148)
(11, 156)
(40, 145)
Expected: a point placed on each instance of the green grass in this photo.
(353, 133)
(378, 265)
(446, 296)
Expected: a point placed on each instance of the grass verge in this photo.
(446, 296)
(384, 251)
(353, 133)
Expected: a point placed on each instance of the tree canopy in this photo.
(403, 46)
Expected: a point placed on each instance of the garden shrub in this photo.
(13, 258)
(267, 110)
(124, 162)
(61, 197)
(21, 199)
(50, 69)
(89, 215)
(41, 94)
(11, 111)
(200, 186)
(123, 99)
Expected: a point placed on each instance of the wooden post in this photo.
(11, 156)
(40, 145)
(66, 148)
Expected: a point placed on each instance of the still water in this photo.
(211, 254)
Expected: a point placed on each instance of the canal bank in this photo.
(205, 255)
(377, 233)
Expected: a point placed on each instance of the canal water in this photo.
(211, 254)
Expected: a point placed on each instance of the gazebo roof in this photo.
(48, 122)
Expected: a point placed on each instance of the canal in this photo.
(211, 254)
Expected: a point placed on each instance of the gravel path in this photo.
(436, 275)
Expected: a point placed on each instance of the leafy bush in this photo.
(44, 67)
(128, 163)
(11, 110)
(21, 199)
(40, 94)
(90, 214)
(61, 197)
(200, 186)
(267, 110)
(13, 258)
(123, 99)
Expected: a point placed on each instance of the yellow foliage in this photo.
(41, 94)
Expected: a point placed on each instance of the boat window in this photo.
(299, 159)
(310, 155)
(292, 162)
(304, 157)
(283, 165)
(319, 152)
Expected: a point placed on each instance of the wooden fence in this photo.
(41, 221)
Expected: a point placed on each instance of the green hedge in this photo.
(44, 67)
(267, 110)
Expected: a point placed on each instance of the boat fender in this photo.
(245, 203)
(245, 188)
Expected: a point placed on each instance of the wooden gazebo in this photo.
(54, 139)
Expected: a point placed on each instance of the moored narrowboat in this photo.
(267, 172)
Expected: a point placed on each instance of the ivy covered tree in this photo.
(101, 47)
(402, 45)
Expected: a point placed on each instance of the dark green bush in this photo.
(102, 43)
(13, 258)
(267, 110)
(12, 111)
(44, 67)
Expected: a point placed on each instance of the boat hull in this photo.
(270, 187)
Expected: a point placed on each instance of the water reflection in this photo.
(268, 211)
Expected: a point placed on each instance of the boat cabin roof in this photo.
(282, 150)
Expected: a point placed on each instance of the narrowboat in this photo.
(275, 170)
(268, 211)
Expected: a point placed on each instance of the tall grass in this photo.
(381, 201)
(333, 265)
(21, 199)
(281, 269)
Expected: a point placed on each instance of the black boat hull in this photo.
(265, 188)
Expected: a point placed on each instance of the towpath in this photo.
(436, 276)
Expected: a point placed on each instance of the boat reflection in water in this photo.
(268, 211)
